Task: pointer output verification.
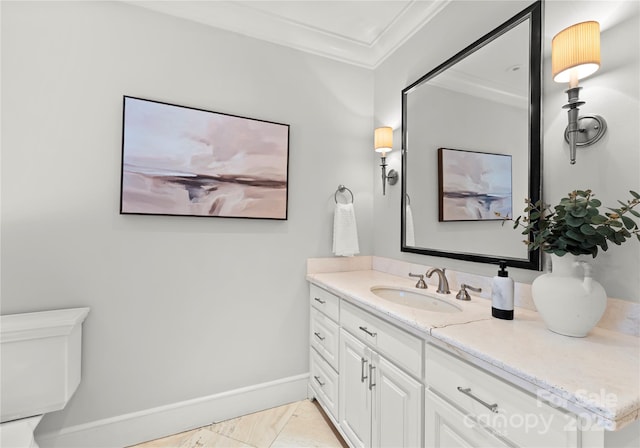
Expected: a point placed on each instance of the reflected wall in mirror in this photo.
(485, 99)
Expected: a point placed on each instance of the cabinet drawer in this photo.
(324, 382)
(325, 337)
(325, 301)
(517, 415)
(398, 345)
(446, 426)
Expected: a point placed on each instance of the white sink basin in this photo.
(413, 299)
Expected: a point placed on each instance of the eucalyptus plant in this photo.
(576, 225)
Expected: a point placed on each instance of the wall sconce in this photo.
(383, 143)
(575, 54)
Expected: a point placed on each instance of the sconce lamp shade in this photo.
(575, 52)
(383, 139)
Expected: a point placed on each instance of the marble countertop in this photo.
(596, 377)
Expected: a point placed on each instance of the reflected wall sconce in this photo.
(383, 143)
(575, 54)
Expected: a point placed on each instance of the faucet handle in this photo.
(463, 294)
(421, 283)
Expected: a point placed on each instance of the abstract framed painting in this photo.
(473, 186)
(183, 161)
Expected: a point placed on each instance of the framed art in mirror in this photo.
(484, 101)
(473, 186)
(183, 161)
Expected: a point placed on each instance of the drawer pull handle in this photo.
(322, 302)
(492, 407)
(318, 380)
(371, 383)
(366, 330)
(363, 375)
(319, 336)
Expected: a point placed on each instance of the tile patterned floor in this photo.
(301, 424)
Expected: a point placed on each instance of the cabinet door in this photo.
(354, 395)
(397, 407)
(447, 427)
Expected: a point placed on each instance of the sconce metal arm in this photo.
(581, 130)
(392, 177)
(573, 105)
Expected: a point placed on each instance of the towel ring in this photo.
(341, 189)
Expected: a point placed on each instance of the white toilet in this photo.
(40, 369)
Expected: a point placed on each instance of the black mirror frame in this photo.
(533, 13)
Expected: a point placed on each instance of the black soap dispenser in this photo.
(502, 294)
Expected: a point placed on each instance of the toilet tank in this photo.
(39, 361)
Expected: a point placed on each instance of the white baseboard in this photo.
(130, 429)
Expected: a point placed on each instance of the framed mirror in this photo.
(471, 143)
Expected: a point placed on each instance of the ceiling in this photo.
(359, 32)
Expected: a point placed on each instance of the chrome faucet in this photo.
(463, 294)
(443, 283)
(421, 283)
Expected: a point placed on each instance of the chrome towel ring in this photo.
(342, 189)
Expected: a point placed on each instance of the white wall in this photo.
(610, 168)
(180, 307)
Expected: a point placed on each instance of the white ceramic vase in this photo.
(569, 301)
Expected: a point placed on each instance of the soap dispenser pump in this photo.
(502, 294)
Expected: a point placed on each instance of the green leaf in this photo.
(579, 212)
(599, 219)
(634, 213)
(562, 243)
(595, 203)
(574, 221)
(587, 229)
(592, 212)
(615, 224)
(605, 231)
(628, 222)
(634, 194)
(618, 238)
(574, 235)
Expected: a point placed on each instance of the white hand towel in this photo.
(345, 232)
(409, 232)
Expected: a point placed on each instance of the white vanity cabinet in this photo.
(467, 406)
(324, 341)
(388, 383)
(380, 404)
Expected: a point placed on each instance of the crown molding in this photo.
(368, 50)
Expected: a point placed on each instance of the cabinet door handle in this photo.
(319, 336)
(318, 380)
(366, 330)
(371, 383)
(492, 407)
(322, 302)
(363, 376)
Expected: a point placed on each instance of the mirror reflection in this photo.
(471, 148)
